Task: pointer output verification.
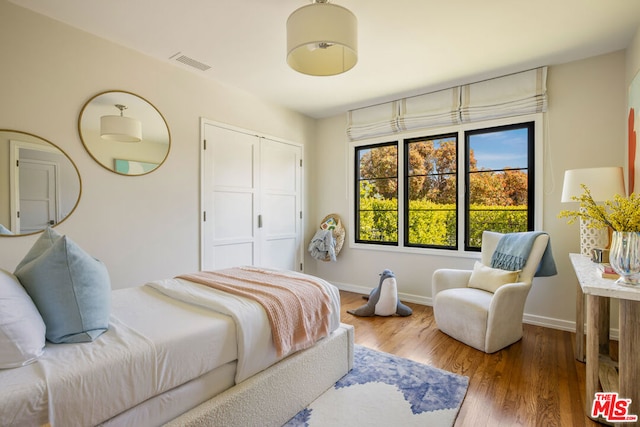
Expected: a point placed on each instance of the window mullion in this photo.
(402, 180)
(461, 179)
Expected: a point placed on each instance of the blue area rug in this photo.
(386, 390)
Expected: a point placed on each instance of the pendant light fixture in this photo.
(120, 128)
(322, 39)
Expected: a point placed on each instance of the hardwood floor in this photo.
(534, 382)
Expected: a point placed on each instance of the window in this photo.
(499, 165)
(377, 193)
(431, 194)
(448, 188)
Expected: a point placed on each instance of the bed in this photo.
(181, 353)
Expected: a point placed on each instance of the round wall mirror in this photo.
(124, 133)
(39, 184)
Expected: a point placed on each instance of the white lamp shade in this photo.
(120, 128)
(603, 183)
(322, 39)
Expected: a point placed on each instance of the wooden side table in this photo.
(598, 291)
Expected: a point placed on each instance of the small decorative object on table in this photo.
(622, 215)
(607, 272)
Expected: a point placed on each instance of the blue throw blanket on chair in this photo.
(513, 250)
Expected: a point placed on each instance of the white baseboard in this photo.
(530, 319)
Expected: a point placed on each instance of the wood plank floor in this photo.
(534, 382)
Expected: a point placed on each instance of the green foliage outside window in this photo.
(433, 224)
(378, 220)
(503, 219)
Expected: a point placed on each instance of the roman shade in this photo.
(512, 95)
(430, 110)
(377, 120)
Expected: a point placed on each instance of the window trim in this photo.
(540, 145)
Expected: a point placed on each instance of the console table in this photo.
(598, 291)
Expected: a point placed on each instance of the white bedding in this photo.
(155, 343)
(255, 344)
(143, 353)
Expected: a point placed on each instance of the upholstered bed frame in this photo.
(273, 396)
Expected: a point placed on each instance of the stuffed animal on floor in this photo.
(383, 300)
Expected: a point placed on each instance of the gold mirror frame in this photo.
(125, 158)
(40, 164)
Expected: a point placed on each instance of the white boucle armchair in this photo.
(484, 320)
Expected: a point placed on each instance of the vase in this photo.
(624, 256)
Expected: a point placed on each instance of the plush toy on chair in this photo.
(383, 300)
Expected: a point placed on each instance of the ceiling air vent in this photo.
(190, 62)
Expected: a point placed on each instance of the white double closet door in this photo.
(252, 200)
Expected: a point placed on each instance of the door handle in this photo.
(259, 221)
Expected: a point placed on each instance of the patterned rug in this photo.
(386, 390)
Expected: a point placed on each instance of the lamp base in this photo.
(591, 238)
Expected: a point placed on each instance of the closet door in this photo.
(229, 198)
(280, 205)
(252, 201)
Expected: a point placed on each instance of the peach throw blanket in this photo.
(297, 306)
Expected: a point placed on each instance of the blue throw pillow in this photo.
(70, 288)
(44, 242)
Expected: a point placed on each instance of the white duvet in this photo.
(142, 354)
(50, 389)
(256, 351)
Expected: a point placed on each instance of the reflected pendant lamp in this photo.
(322, 39)
(120, 128)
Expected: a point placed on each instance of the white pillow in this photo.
(490, 279)
(22, 330)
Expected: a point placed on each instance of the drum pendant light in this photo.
(120, 128)
(322, 39)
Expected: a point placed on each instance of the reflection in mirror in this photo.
(124, 133)
(39, 184)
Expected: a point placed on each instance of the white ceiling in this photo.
(406, 47)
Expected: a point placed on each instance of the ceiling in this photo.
(406, 47)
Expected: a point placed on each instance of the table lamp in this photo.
(603, 183)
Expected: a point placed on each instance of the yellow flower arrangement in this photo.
(621, 213)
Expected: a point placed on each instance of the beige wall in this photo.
(633, 70)
(585, 127)
(633, 58)
(145, 227)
